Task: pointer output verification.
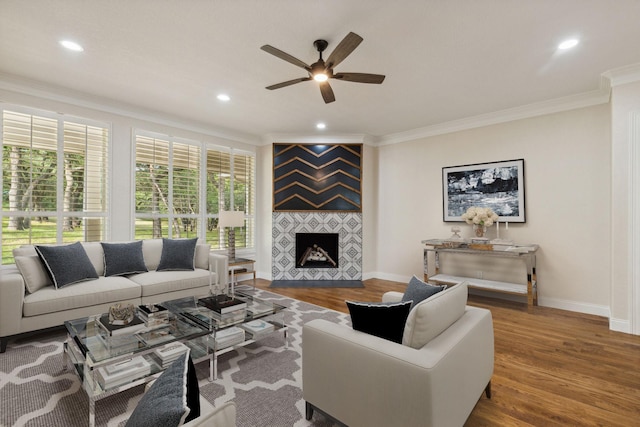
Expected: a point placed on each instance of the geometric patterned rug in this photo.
(264, 379)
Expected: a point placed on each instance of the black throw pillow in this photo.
(384, 320)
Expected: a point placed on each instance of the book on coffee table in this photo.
(123, 372)
(169, 353)
(258, 328)
(222, 303)
(228, 337)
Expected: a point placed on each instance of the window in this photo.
(170, 189)
(167, 177)
(54, 179)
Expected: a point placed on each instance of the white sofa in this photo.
(23, 311)
(362, 380)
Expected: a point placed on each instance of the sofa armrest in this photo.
(12, 291)
(219, 264)
(222, 416)
(361, 379)
(392, 296)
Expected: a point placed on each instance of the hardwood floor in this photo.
(552, 367)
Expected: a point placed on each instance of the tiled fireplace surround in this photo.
(347, 224)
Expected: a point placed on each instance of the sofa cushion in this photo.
(96, 255)
(432, 316)
(33, 271)
(172, 400)
(384, 320)
(160, 282)
(123, 258)
(177, 254)
(152, 249)
(202, 255)
(418, 291)
(104, 290)
(67, 264)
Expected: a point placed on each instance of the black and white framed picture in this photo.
(496, 185)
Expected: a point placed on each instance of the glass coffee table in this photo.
(108, 363)
(257, 312)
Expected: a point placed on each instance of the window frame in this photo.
(203, 216)
(60, 213)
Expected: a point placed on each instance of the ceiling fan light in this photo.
(320, 77)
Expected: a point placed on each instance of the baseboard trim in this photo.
(620, 325)
(580, 307)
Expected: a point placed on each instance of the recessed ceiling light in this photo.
(321, 126)
(224, 97)
(71, 45)
(568, 44)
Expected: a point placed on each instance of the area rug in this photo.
(316, 284)
(264, 379)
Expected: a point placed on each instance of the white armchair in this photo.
(363, 380)
(221, 416)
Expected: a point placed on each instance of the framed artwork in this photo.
(496, 185)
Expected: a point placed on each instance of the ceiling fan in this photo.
(322, 71)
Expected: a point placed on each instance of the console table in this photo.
(525, 253)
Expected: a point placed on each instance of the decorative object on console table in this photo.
(496, 185)
(231, 220)
(480, 218)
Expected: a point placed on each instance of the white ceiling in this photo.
(444, 60)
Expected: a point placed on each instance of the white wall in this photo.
(567, 182)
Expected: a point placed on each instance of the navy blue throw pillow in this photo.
(67, 264)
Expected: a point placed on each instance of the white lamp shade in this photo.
(230, 219)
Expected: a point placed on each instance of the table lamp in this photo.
(231, 220)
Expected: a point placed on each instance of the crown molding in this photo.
(623, 75)
(20, 85)
(317, 139)
(586, 99)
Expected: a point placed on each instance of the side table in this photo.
(238, 266)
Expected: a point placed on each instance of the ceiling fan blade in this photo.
(283, 55)
(327, 92)
(360, 77)
(288, 83)
(344, 48)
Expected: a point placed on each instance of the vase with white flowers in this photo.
(480, 218)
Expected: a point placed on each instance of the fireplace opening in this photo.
(317, 250)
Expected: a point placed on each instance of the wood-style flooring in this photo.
(552, 367)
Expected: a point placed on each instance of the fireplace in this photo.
(317, 250)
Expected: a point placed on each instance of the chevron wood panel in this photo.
(317, 177)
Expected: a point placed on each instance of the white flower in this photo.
(480, 216)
